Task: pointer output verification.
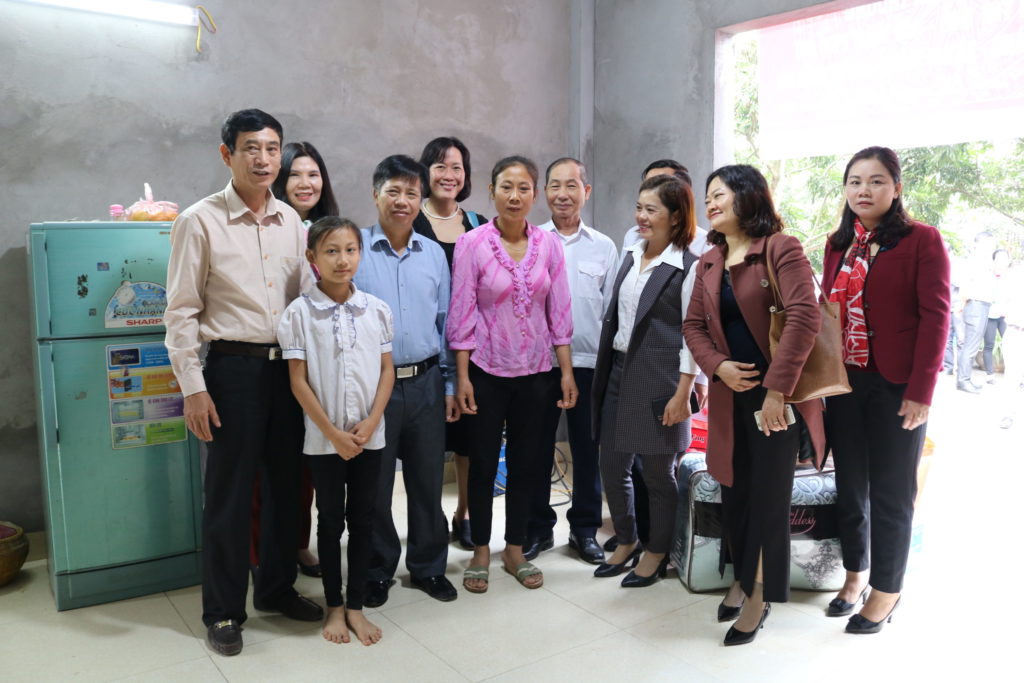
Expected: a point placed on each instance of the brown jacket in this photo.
(705, 336)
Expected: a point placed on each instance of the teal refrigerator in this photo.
(121, 474)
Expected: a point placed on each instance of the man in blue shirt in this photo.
(410, 273)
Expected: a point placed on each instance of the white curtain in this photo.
(899, 73)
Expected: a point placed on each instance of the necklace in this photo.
(439, 218)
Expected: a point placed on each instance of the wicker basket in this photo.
(13, 551)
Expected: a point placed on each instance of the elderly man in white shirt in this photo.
(591, 261)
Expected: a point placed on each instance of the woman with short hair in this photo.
(644, 375)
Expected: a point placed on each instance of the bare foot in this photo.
(366, 631)
(512, 557)
(481, 558)
(335, 628)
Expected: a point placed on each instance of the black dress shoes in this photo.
(610, 545)
(535, 546)
(840, 608)
(587, 548)
(461, 533)
(437, 587)
(737, 637)
(377, 592)
(293, 606)
(225, 637)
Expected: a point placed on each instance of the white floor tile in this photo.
(201, 670)
(102, 642)
(509, 626)
(617, 658)
(308, 657)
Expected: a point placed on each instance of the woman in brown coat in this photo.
(726, 329)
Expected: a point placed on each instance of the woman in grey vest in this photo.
(644, 375)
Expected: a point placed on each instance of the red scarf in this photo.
(848, 291)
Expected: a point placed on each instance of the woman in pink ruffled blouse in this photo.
(510, 305)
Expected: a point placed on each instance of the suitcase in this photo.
(815, 555)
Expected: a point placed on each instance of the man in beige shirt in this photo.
(237, 261)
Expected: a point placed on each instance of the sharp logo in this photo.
(138, 322)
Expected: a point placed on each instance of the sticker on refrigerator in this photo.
(136, 304)
(146, 405)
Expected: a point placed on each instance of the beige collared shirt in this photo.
(230, 276)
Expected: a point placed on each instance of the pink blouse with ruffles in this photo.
(509, 314)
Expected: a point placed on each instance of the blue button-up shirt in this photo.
(417, 287)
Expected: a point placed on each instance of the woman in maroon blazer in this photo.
(726, 329)
(890, 276)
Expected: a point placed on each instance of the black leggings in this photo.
(331, 476)
(994, 325)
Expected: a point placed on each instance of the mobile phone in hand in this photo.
(787, 413)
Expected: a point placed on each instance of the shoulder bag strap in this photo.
(776, 292)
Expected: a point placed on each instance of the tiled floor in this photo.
(956, 620)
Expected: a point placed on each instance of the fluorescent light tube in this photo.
(148, 10)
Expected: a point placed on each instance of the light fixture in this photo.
(148, 10)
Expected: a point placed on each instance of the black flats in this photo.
(840, 608)
(634, 580)
(737, 637)
(461, 533)
(313, 570)
(605, 570)
(859, 624)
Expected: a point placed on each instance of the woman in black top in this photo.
(444, 221)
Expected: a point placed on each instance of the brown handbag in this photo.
(824, 373)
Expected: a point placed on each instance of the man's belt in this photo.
(407, 371)
(236, 348)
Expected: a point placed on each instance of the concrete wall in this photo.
(95, 105)
(655, 89)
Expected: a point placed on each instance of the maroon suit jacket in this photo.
(906, 306)
(705, 335)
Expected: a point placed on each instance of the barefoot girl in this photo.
(337, 340)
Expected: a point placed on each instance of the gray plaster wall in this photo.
(92, 106)
(654, 93)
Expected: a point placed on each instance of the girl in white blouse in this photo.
(337, 340)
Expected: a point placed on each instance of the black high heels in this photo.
(737, 637)
(634, 580)
(840, 608)
(605, 569)
(727, 612)
(859, 624)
